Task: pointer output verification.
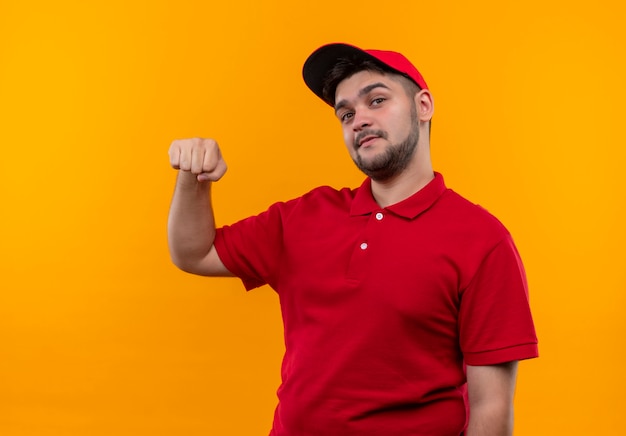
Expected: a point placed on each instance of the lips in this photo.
(367, 139)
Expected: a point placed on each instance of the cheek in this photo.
(399, 128)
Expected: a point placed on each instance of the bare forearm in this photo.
(191, 224)
(490, 390)
(490, 420)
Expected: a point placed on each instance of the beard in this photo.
(395, 157)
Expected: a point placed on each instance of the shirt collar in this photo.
(364, 202)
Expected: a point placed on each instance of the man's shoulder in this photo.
(471, 214)
(318, 200)
(328, 194)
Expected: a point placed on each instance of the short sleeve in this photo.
(251, 248)
(495, 321)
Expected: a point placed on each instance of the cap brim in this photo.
(322, 60)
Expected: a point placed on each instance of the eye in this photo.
(377, 101)
(346, 116)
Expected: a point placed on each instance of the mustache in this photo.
(370, 132)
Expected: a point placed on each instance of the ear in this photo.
(425, 105)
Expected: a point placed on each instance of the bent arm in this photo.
(191, 228)
(491, 389)
(191, 223)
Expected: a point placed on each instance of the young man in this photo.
(405, 306)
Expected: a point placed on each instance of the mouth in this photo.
(366, 138)
(364, 142)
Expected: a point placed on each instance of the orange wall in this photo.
(101, 335)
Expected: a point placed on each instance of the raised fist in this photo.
(198, 156)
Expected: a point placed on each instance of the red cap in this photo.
(322, 60)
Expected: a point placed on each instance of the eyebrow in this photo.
(362, 92)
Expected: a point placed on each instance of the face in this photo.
(379, 123)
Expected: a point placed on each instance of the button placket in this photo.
(358, 266)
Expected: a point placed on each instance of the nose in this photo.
(361, 120)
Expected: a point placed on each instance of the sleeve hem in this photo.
(494, 357)
(227, 260)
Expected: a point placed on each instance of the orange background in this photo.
(101, 335)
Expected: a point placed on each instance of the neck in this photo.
(417, 175)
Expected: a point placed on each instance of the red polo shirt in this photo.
(382, 306)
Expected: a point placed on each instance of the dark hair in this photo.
(347, 67)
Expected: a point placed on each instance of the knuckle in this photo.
(209, 143)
